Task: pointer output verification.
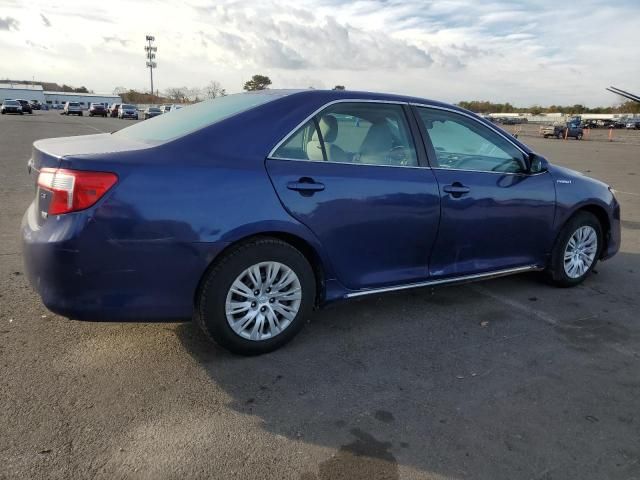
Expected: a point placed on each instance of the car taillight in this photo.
(74, 190)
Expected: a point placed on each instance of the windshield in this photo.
(128, 107)
(10, 102)
(74, 104)
(154, 109)
(194, 117)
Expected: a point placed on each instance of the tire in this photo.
(80, 114)
(557, 271)
(215, 292)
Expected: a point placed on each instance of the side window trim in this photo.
(417, 137)
(431, 152)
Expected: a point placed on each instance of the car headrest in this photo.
(328, 127)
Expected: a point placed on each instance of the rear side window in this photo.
(194, 117)
(366, 133)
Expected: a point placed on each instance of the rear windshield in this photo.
(127, 106)
(154, 109)
(194, 117)
(74, 104)
(10, 102)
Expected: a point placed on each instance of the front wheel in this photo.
(255, 299)
(576, 251)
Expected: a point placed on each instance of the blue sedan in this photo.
(248, 211)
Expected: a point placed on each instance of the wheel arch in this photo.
(600, 213)
(302, 245)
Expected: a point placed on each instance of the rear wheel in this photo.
(255, 299)
(576, 251)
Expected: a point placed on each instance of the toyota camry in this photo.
(248, 211)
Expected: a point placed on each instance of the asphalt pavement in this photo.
(506, 379)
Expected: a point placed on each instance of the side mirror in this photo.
(537, 163)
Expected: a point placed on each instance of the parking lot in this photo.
(506, 379)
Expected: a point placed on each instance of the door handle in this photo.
(306, 185)
(456, 189)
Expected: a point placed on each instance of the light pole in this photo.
(151, 55)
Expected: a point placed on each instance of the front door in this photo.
(495, 215)
(351, 175)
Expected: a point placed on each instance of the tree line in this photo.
(480, 106)
(192, 95)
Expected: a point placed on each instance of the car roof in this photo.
(330, 95)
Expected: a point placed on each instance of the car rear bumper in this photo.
(82, 272)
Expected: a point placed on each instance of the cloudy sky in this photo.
(522, 51)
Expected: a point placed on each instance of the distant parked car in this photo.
(619, 123)
(128, 111)
(151, 112)
(559, 131)
(72, 108)
(589, 124)
(35, 105)
(113, 109)
(633, 125)
(26, 106)
(11, 106)
(165, 108)
(97, 109)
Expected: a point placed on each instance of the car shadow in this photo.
(503, 379)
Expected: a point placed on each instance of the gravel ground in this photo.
(498, 380)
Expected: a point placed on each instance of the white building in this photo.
(14, 91)
(84, 99)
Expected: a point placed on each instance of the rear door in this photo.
(352, 175)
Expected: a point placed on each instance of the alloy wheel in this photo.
(580, 252)
(263, 301)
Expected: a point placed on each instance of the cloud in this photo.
(45, 20)
(523, 52)
(9, 23)
(120, 41)
(276, 41)
(36, 45)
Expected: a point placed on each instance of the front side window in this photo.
(461, 143)
(367, 133)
